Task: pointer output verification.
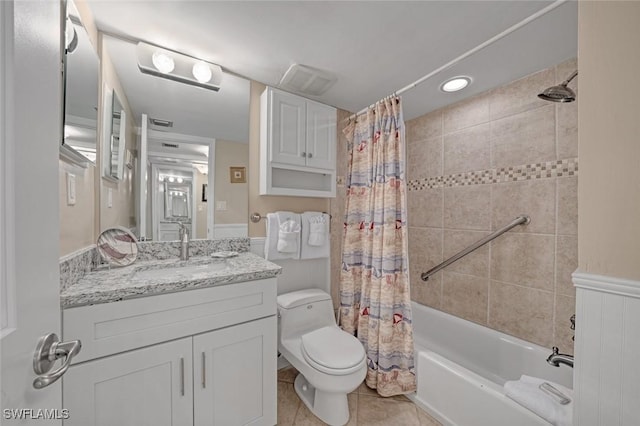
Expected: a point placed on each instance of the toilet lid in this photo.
(332, 348)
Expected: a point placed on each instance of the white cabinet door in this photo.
(235, 375)
(287, 128)
(145, 387)
(321, 136)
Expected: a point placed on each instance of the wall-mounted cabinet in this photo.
(297, 146)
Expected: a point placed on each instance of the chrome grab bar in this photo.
(520, 220)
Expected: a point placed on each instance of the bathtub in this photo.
(462, 366)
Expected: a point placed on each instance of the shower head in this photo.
(560, 93)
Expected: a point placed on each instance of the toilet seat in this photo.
(332, 351)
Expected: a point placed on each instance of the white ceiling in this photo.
(373, 48)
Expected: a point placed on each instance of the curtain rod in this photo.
(468, 53)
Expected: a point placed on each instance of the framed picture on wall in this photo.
(238, 174)
(204, 192)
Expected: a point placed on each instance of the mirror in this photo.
(81, 65)
(188, 138)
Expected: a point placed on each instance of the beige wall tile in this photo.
(528, 137)
(465, 296)
(568, 205)
(524, 259)
(424, 158)
(522, 312)
(424, 127)
(477, 262)
(567, 114)
(425, 207)
(466, 113)
(425, 251)
(565, 307)
(468, 149)
(534, 198)
(467, 207)
(521, 95)
(566, 264)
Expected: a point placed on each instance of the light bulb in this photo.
(171, 179)
(180, 180)
(163, 62)
(202, 72)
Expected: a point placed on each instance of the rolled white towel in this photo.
(527, 393)
(288, 232)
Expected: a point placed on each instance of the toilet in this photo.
(331, 362)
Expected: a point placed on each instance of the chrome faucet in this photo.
(184, 241)
(557, 358)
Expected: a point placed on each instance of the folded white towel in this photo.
(527, 393)
(315, 235)
(271, 241)
(317, 230)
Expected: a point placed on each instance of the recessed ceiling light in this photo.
(454, 84)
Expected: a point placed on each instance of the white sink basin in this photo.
(183, 270)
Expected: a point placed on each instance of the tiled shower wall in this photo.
(472, 168)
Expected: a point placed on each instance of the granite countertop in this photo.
(129, 282)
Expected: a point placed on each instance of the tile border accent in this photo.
(549, 169)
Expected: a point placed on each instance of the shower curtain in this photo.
(375, 302)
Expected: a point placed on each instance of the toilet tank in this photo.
(304, 310)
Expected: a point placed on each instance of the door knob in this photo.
(48, 350)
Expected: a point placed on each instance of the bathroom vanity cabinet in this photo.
(297, 145)
(198, 357)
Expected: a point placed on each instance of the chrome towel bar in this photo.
(520, 220)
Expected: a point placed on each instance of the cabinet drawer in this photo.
(109, 328)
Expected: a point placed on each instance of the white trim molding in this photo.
(606, 376)
(604, 284)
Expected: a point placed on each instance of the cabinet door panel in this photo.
(235, 381)
(287, 131)
(321, 136)
(139, 388)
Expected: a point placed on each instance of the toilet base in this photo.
(331, 408)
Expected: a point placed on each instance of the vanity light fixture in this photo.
(175, 66)
(454, 84)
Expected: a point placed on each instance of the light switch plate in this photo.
(221, 205)
(109, 197)
(71, 189)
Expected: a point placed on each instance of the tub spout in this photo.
(557, 358)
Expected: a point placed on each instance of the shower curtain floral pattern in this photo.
(375, 302)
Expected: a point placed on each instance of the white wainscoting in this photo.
(230, 230)
(607, 351)
(298, 274)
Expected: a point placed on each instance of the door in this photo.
(142, 184)
(31, 129)
(235, 375)
(144, 387)
(287, 128)
(321, 136)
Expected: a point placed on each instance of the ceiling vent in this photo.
(306, 80)
(160, 123)
(170, 145)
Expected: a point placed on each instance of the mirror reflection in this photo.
(117, 139)
(189, 137)
(81, 88)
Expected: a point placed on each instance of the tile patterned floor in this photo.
(366, 407)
